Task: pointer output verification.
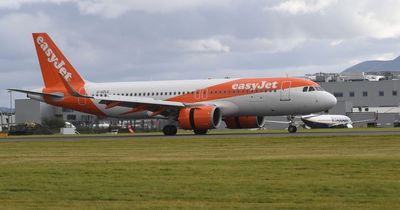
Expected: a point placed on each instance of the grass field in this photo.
(220, 173)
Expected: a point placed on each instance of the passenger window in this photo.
(305, 89)
(311, 89)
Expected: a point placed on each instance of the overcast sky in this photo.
(128, 40)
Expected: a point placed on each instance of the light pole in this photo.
(10, 113)
(1, 118)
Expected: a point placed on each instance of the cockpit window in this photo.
(312, 88)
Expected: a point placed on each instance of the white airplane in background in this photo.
(197, 105)
(324, 121)
(330, 121)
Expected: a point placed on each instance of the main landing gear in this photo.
(200, 131)
(170, 130)
(292, 127)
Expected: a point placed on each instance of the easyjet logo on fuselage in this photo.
(254, 86)
(52, 58)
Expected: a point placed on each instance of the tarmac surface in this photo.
(212, 135)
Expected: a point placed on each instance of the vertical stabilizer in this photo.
(54, 64)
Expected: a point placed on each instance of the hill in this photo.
(375, 66)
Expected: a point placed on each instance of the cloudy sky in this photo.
(129, 40)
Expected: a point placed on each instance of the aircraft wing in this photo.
(139, 104)
(278, 122)
(136, 104)
(129, 101)
(296, 123)
(368, 120)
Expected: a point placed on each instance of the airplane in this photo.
(324, 121)
(198, 105)
(330, 121)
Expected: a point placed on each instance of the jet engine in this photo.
(200, 118)
(245, 122)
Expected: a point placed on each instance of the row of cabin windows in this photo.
(364, 93)
(186, 92)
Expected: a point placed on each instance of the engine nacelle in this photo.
(200, 117)
(245, 122)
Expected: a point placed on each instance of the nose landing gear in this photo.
(292, 126)
(292, 129)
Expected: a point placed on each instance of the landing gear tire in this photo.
(170, 130)
(200, 131)
(292, 129)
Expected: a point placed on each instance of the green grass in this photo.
(221, 173)
(224, 131)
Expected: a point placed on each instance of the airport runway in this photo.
(183, 136)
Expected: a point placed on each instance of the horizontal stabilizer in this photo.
(55, 95)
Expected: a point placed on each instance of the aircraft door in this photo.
(197, 94)
(204, 94)
(285, 90)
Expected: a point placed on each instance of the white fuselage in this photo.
(327, 121)
(290, 101)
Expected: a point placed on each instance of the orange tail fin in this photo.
(54, 64)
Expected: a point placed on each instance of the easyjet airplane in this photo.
(197, 105)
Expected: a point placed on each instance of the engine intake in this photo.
(200, 117)
(245, 122)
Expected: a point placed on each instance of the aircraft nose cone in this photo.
(330, 100)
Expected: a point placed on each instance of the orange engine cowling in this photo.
(245, 122)
(199, 117)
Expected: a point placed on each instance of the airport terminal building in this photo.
(360, 98)
(365, 99)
